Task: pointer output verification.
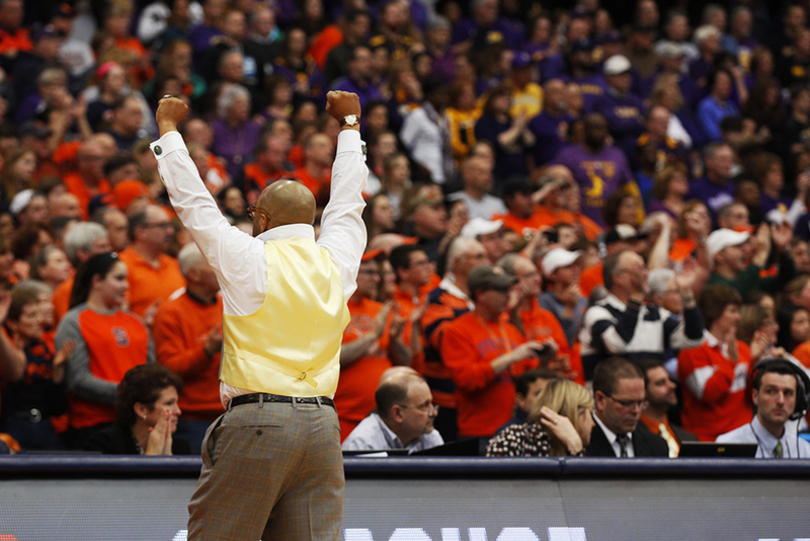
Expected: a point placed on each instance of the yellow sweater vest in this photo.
(291, 345)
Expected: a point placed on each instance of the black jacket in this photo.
(118, 440)
(645, 443)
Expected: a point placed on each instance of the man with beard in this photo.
(661, 398)
(599, 169)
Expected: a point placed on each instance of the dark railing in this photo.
(38, 466)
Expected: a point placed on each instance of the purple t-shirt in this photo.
(598, 175)
(715, 196)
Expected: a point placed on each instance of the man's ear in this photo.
(396, 413)
(599, 399)
(755, 397)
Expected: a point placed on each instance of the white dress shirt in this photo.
(238, 259)
(792, 445)
(612, 439)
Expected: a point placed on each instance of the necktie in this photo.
(777, 451)
(623, 441)
(672, 443)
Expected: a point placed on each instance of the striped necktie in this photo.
(623, 441)
(672, 443)
(777, 451)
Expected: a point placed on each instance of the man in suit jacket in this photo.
(619, 398)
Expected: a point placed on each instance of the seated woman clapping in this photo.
(146, 415)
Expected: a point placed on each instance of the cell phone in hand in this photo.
(542, 351)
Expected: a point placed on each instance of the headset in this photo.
(802, 381)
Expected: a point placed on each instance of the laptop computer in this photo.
(702, 449)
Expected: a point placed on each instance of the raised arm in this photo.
(232, 253)
(343, 232)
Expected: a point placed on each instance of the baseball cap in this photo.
(559, 258)
(670, 50)
(723, 238)
(47, 31)
(371, 255)
(488, 277)
(480, 226)
(21, 201)
(616, 64)
(521, 60)
(37, 130)
(623, 232)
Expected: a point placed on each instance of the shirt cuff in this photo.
(167, 144)
(349, 141)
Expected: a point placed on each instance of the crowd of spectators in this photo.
(610, 194)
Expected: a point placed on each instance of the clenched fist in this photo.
(169, 114)
(340, 103)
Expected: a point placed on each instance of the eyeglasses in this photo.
(252, 210)
(161, 225)
(629, 404)
(368, 272)
(430, 409)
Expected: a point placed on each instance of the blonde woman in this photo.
(559, 424)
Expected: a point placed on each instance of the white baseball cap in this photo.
(616, 64)
(21, 201)
(480, 226)
(723, 238)
(558, 258)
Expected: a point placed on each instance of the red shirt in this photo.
(180, 331)
(485, 399)
(354, 398)
(716, 396)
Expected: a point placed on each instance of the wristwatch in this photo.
(349, 120)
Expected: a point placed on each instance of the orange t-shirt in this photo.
(539, 324)
(485, 399)
(114, 343)
(329, 38)
(76, 186)
(519, 225)
(180, 331)
(20, 40)
(318, 186)
(148, 284)
(354, 398)
(590, 278)
(61, 299)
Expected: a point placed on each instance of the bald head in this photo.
(284, 202)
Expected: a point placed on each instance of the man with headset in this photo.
(780, 396)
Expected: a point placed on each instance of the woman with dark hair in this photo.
(717, 105)
(232, 203)
(146, 415)
(794, 326)
(109, 341)
(378, 216)
(509, 136)
(621, 208)
(765, 106)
